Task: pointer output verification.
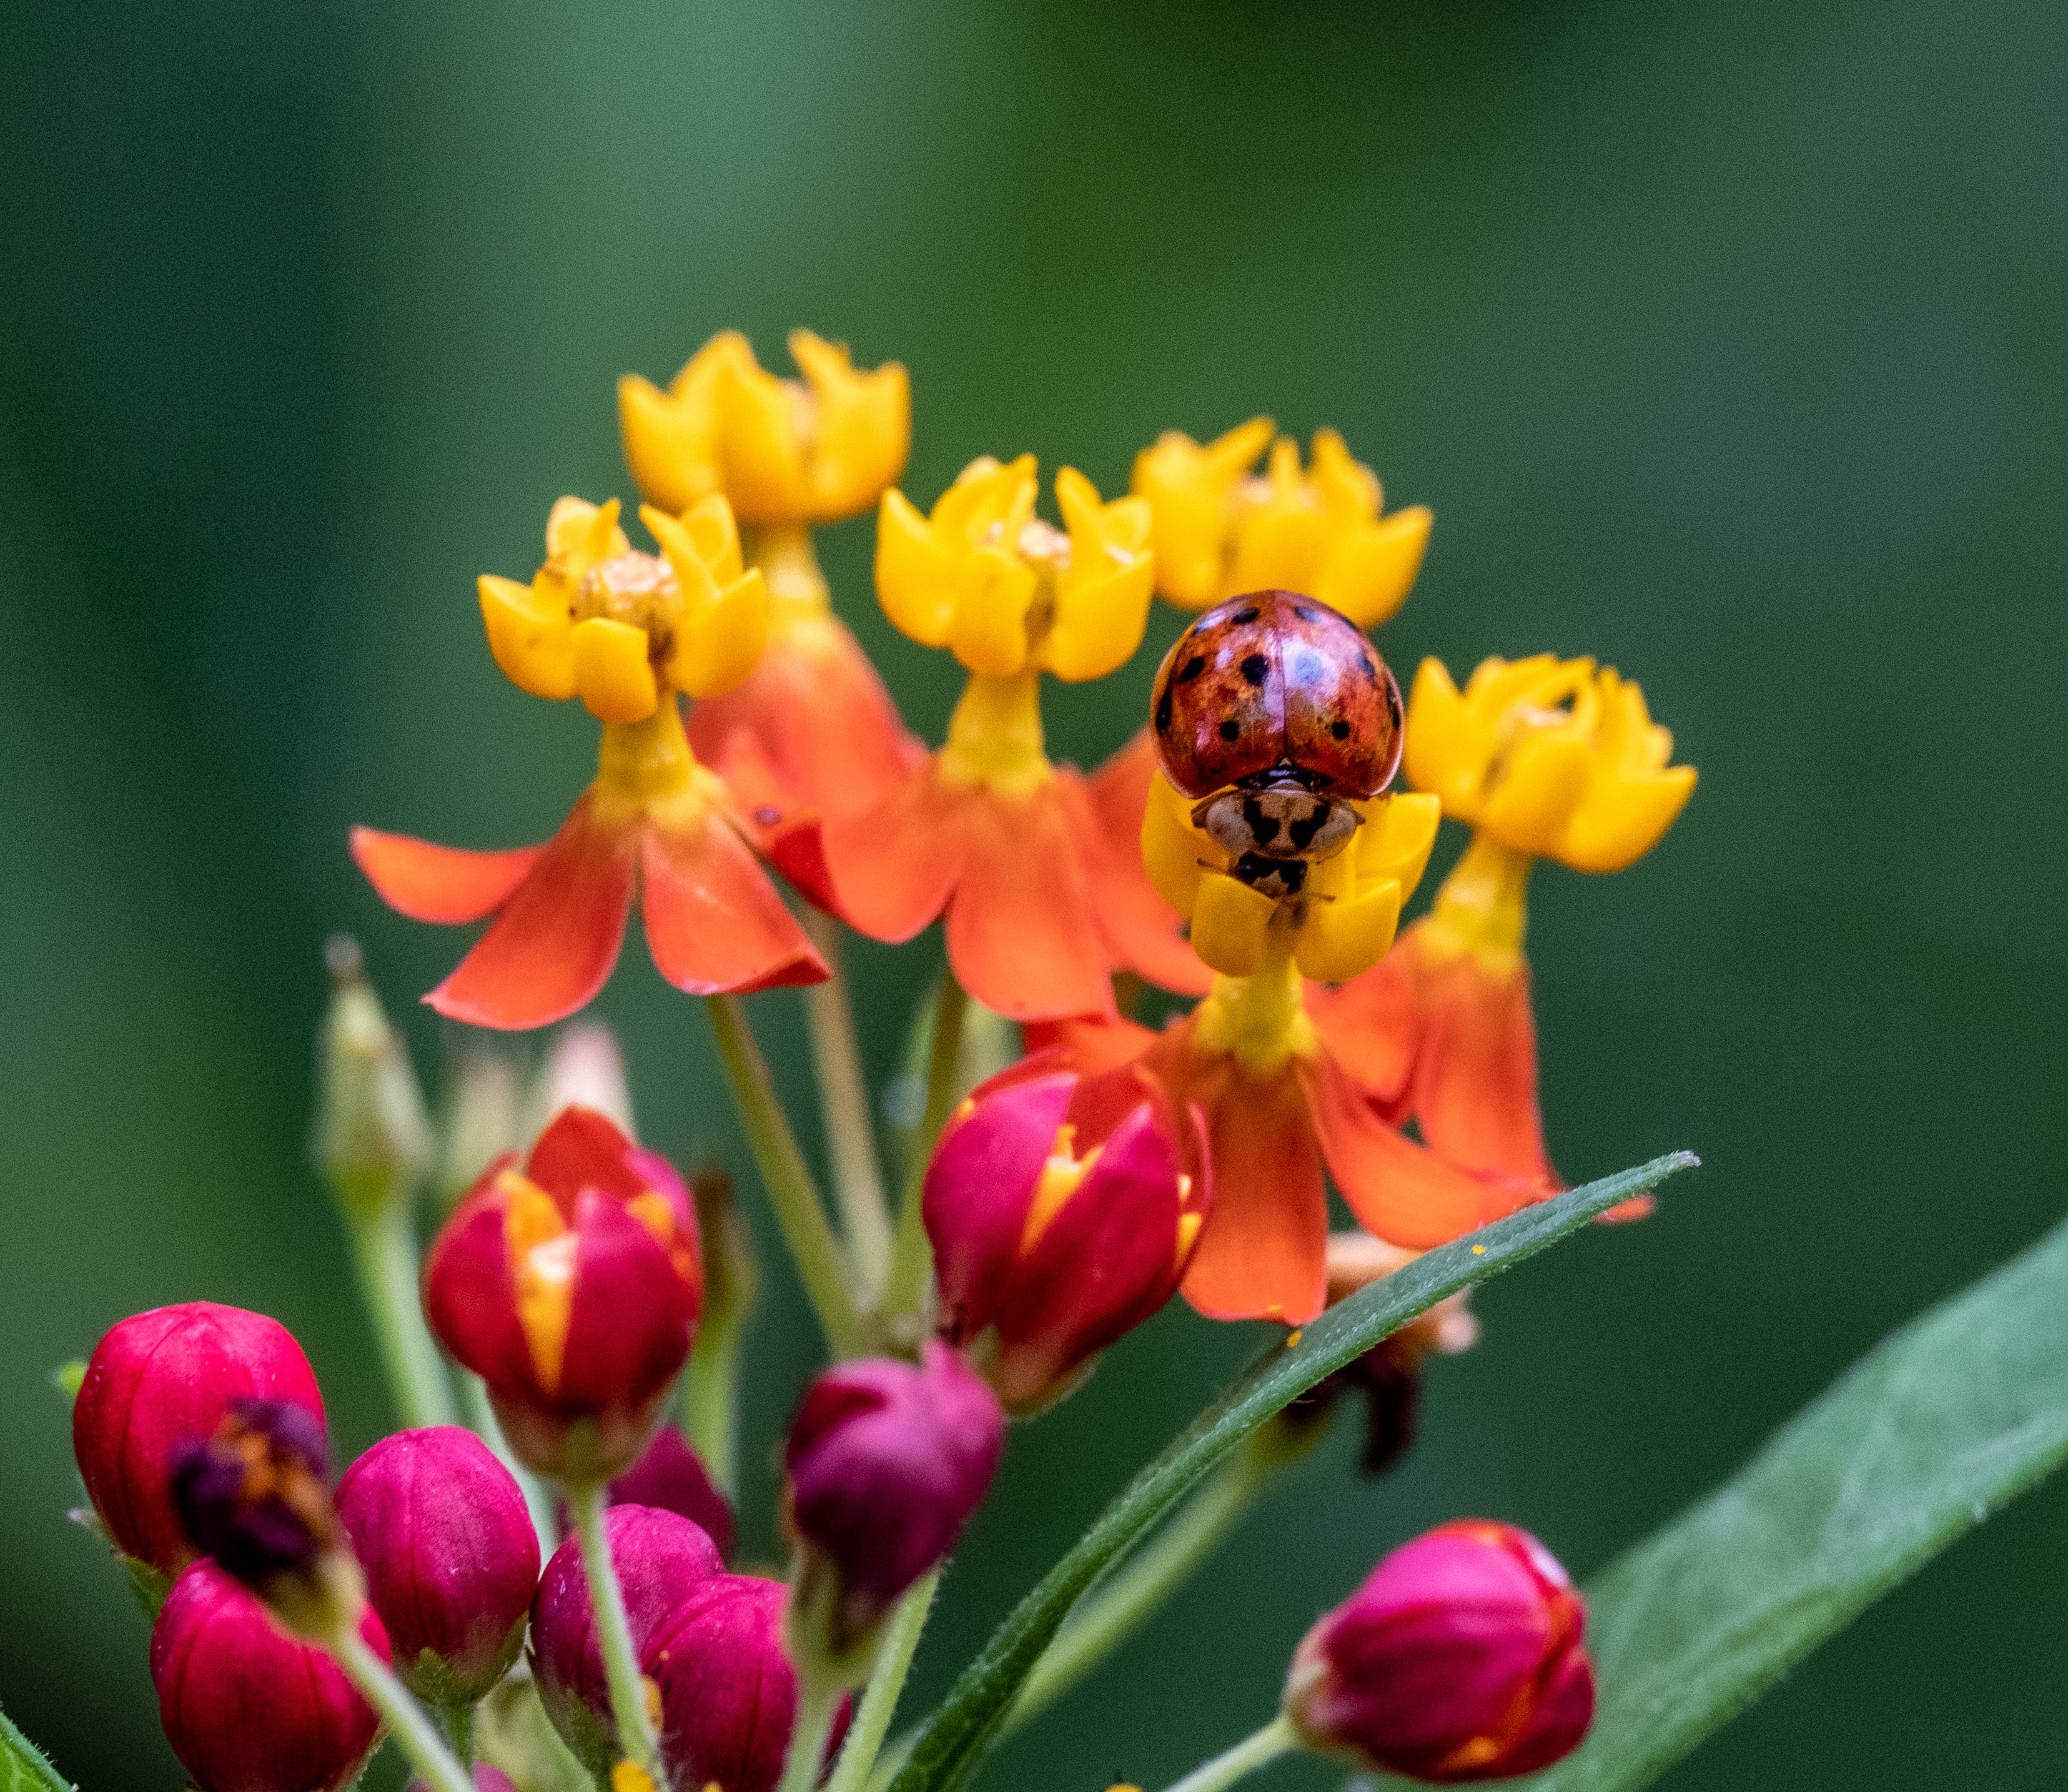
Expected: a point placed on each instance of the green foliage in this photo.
(23, 1767)
(1958, 1412)
(957, 1735)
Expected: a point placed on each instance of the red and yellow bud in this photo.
(572, 1288)
(1060, 1219)
(442, 1534)
(1006, 592)
(246, 1706)
(1557, 759)
(1220, 529)
(885, 1463)
(157, 1381)
(621, 629)
(1462, 1658)
(782, 451)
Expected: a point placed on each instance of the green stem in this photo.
(481, 1421)
(818, 1704)
(457, 1722)
(383, 1248)
(636, 1737)
(416, 1734)
(1106, 1617)
(844, 1095)
(879, 1700)
(912, 1260)
(1246, 1756)
(710, 1402)
(787, 1179)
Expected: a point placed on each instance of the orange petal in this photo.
(438, 883)
(777, 823)
(1407, 1195)
(1475, 1088)
(893, 865)
(714, 923)
(1373, 1025)
(1142, 931)
(1261, 1254)
(1023, 937)
(1090, 1047)
(820, 717)
(555, 940)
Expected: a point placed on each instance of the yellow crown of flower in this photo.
(619, 628)
(1350, 906)
(1219, 531)
(986, 578)
(781, 450)
(1557, 758)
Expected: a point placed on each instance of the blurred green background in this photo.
(1726, 342)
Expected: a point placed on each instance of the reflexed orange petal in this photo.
(714, 923)
(779, 827)
(1373, 1025)
(1022, 938)
(1261, 1254)
(555, 940)
(1090, 1047)
(438, 883)
(820, 716)
(894, 864)
(1407, 1195)
(1474, 1093)
(1142, 932)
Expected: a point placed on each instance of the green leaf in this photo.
(1960, 1411)
(957, 1735)
(23, 1767)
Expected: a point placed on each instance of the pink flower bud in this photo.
(450, 1558)
(156, 1380)
(1060, 1219)
(1461, 1658)
(672, 1476)
(886, 1463)
(572, 1288)
(728, 1693)
(661, 1558)
(247, 1709)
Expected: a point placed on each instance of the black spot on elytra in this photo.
(1192, 668)
(1370, 670)
(1230, 729)
(1256, 668)
(1248, 615)
(1163, 711)
(1263, 828)
(1339, 729)
(1306, 612)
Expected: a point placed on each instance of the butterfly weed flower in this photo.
(984, 831)
(1542, 758)
(1220, 528)
(811, 731)
(626, 632)
(571, 1287)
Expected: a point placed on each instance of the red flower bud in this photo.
(247, 1708)
(572, 1288)
(661, 1558)
(1461, 1658)
(672, 1476)
(1060, 1219)
(886, 1463)
(255, 1495)
(450, 1558)
(728, 1691)
(156, 1380)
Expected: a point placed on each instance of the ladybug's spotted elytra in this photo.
(1276, 713)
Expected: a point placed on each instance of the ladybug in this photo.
(1274, 711)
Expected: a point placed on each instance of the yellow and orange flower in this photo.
(812, 731)
(1545, 757)
(1220, 529)
(986, 831)
(626, 632)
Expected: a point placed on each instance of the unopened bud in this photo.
(583, 1068)
(1461, 1658)
(484, 1117)
(373, 1141)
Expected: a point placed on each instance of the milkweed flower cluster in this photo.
(1249, 853)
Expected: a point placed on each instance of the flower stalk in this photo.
(414, 1731)
(912, 1262)
(1258, 1750)
(791, 1191)
(819, 1696)
(384, 1251)
(635, 1734)
(886, 1684)
(844, 1095)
